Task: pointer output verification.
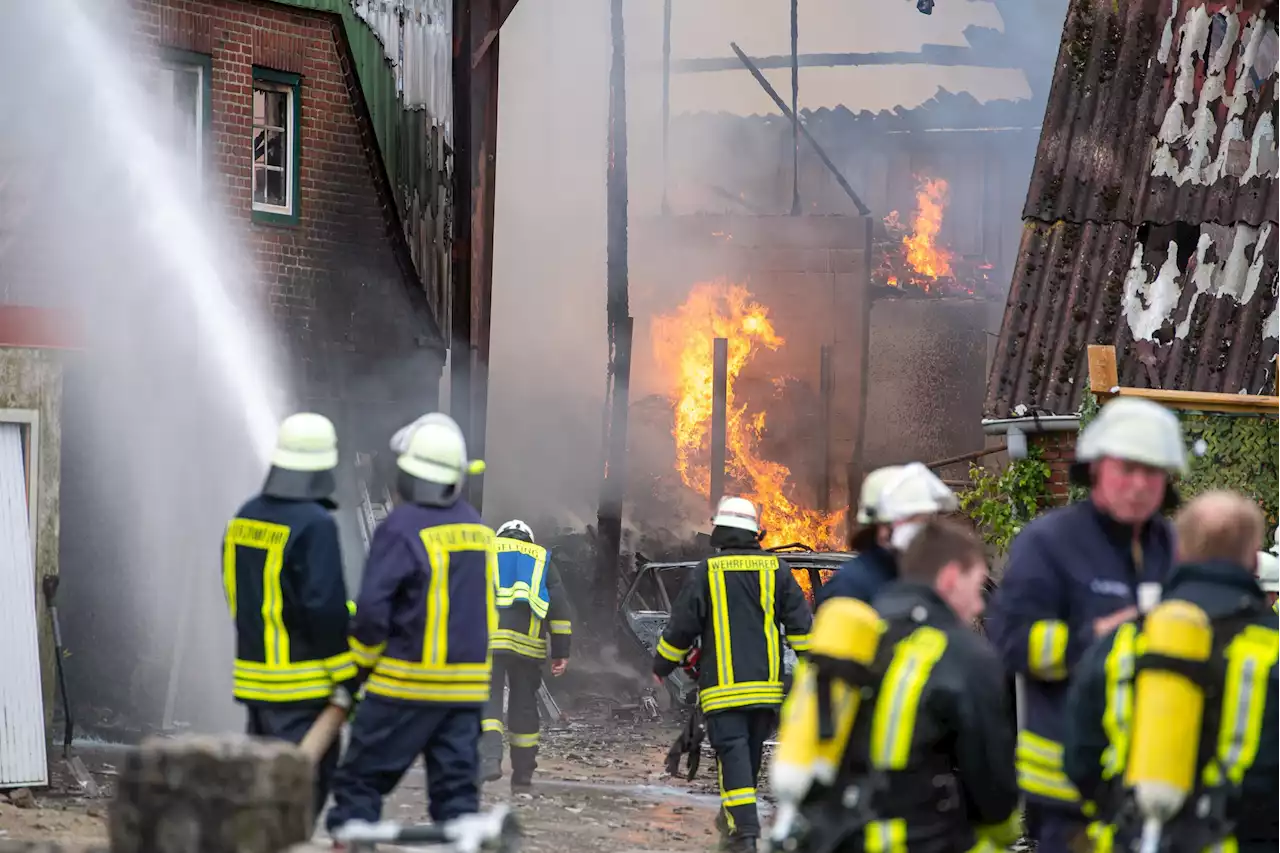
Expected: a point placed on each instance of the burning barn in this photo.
(1151, 215)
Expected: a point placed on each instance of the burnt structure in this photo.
(1151, 215)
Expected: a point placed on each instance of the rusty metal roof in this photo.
(1151, 218)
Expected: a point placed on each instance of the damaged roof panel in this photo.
(1151, 215)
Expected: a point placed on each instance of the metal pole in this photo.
(719, 416)
(823, 460)
(795, 108)
(666, 98)
(460, 338)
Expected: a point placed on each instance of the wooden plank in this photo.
(1103, 374)
(1205, 401)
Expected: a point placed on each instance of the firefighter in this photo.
(533, 613)
(1073, 575)
(1172, 726)
(282, 575)
(1269, 571)
(919, 494)
(734, 603)
(901, 727)
(421, 637)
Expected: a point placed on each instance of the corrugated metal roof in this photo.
(1152, 210)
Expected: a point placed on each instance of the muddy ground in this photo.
(600, 788)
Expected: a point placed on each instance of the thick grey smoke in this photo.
(170, 407)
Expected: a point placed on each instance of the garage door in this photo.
(22, 743)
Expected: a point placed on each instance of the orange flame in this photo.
(682, 343)
(923, 252)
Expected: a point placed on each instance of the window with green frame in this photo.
(276, 146)
(184, 80)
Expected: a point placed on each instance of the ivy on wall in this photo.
(1000, 504)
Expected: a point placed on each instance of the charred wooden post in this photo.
(666, 98)
(618, 312)
(212, 794)
(795, 108)
(860, 313)
(823, 455)
(719, 416)
(460, 250)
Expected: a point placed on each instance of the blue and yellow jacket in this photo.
(1066, 568)
(282, 577)
(426, 607)
(532, 603)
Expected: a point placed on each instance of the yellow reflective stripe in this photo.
(738, 695)
(491, 726)
(738, 797)
(254, 692)
(561, 626)
(506, 640)
(289, 683)
(429, 691)
(1118, 714)
(886, 836)
(524, 741)
(491, 584)
(459, 537)
(768, 578)
(728, 815)
(510, 595)
(416, 671)
(435, 639)
(1039, 765)
(341, 667)
(670, 652)
(1250, 658)
(798, 642)
(894, 722)
(1047, 650)
(365, 656)
(1102, 835)
(720, 624)
(229, 573)
(271, 538)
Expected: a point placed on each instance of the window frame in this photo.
(290, 84)
(175, 58)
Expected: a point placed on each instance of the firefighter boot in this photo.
(739, 844)
(490, 756)
(524, 760)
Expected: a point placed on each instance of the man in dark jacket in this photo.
(928, 761)
(421, 637)
(735, 603)
(892, 498)
(1232, 805)
(1073, 575)
(533, 614)
(282, 575)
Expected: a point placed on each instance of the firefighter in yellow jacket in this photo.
(735, 603)
(533, 613)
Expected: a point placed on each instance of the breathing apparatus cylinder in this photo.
(1167, 713)
(823, 705)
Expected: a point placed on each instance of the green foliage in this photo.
(1000, 505)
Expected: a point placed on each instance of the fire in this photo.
(923, 252)
(682, 344)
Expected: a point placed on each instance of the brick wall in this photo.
(1059, 449)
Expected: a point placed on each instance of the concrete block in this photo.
(229, 794)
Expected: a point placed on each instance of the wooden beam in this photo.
(1103, 374)
(1206, 401)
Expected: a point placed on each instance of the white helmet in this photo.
(736, 512)
(872, 488)
(306, 442)
(915, 490)
(1135, 430)
(1268, 571)
(515, 525)
(436, 461)
(400, 441)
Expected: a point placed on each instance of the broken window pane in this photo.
(273, 150)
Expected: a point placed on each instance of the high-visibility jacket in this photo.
(426, 607)
(1240, 748)
(1067, 568)
(931, 748)
(532, 603)
(736, 604)
(862, 577)
(282, 577)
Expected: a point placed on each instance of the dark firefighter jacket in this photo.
(282, 576)
(532, 602)
(1067, 568)
(735, 603)
(1240, 716)
(862, 577)
(934, 747)
(426, 606)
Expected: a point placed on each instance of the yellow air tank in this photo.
(1167, 711)
(844, 640)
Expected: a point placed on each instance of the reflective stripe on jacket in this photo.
(1066, 568)
(426, 606)
(532, 603)
(736, 603)
(282, 577)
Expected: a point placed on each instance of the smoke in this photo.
(170, 407)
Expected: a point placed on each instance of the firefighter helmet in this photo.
(516, 529)
(736, 512)
(1135, 430)
(434, 465)
(915, 490)
(1269, 567)
(302, 463)
(872, 487)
